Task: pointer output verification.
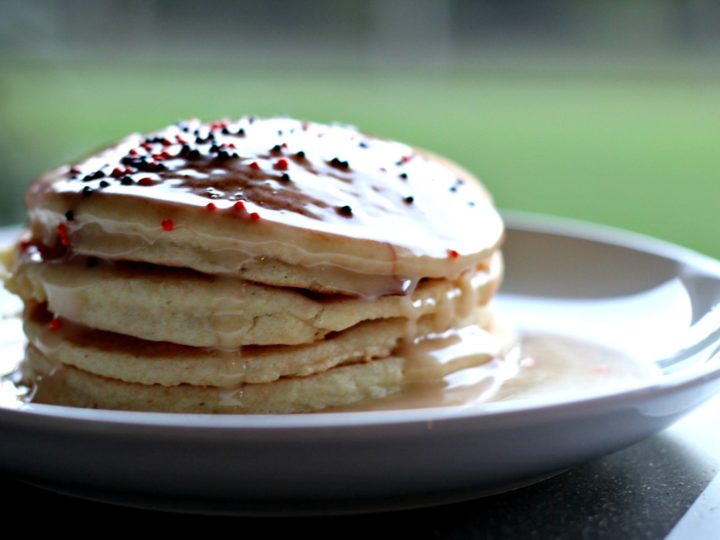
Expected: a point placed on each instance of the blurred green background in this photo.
(605, 112)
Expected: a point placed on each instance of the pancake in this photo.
(283, 194)
(129, 359)
(190, 308)
(255, 266)
(332, 388)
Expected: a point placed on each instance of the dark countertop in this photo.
(665, 485)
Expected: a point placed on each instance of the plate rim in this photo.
(525, 411)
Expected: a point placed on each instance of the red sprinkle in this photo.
(63, 234)
(147, 181)
(211, 206)
(281, 165)
(254, 166)
(133, 152)
(117, 172)
(55, 325)
(405, 159)
(453, 254)
(147, 146)
(255, 216)
(239, 206)
(167, 225)
(166, 142)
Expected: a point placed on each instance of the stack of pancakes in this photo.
(252, 266)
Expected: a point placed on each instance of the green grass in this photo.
(638, 152)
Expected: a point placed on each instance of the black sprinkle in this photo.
(225, 131)
(453, 189)
(70, 215)
(276, 149)
(94, 176)
(104, 184)
(345, 211)
(224, 155)
(251, 119)
(127, 181)
(214, 148)
(300, 155)
(87, 191)
(471, 203)
(241, 132)
(92, 262)
(280, 132)
(184, 150)
(339, 164)
(409, 199)
(285, 177)
(404, 176)
(363, 144)
(194, 154)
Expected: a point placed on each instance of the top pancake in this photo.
(277, 201)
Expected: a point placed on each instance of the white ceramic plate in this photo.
(649, 299)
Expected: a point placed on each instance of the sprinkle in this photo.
(63, 234)
(55, 325)
(133, 152)
(409, 199)
(345, 211)
(211, 206)
(276, 149)
(363, 144)
(70, 215)
(104, 184)
(403, 176)
(255, 216)
(300, 154)
(453, 254)
(127, 181)
(281, 165)
(87, 191)
(93, 176)
(194, 154)
(75, 170)
(285, 177)
(239, 206)
(339, 164)
(117, 172)
(254, 166)
(147, 181)
(167, 225)
(241, 132)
